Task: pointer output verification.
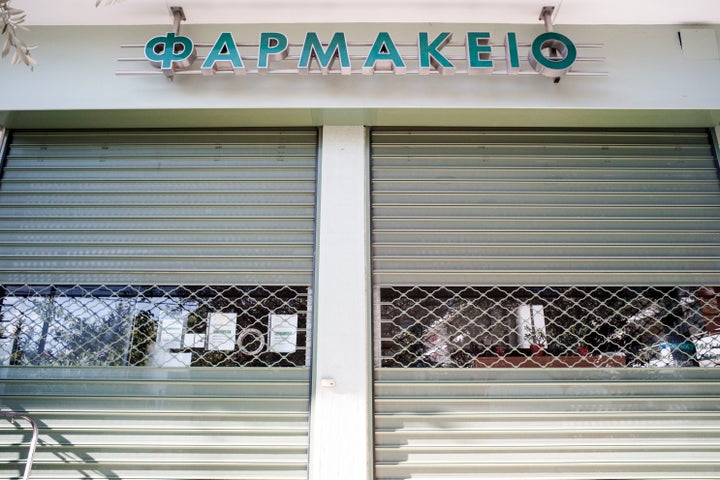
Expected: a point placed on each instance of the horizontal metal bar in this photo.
(295, 71)
(366, 43)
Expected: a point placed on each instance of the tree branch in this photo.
(11, 20)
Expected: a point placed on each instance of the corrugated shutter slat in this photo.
(159, 423)
(528, 207)
(159, 207)
(547, 424)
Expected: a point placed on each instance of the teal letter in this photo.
(479, 53)
(429, 54)
(383, 55)
(170, 53)
(552, 67)
(273, 46)
(512, 57)
(337, 48)
(225, 51)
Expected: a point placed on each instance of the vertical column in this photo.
(340, 414)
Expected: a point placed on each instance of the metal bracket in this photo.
(546, 16)
(178, 15)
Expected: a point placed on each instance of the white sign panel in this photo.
(283, 333)
(221, 331)
(170, 334)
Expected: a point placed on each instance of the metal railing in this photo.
(13, 417)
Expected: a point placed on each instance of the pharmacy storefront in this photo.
(363, 250)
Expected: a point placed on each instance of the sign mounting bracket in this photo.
(546, 16)
(178, 15)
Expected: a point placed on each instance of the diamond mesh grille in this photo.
(496, 327)
(207, 326)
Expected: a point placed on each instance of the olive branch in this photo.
(11, 20)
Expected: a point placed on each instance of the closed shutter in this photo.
(459, 212)
(546, 424)
(529, 207)
(158, 423)
(173, 207)
(163, 221)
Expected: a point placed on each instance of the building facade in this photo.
(362, 241)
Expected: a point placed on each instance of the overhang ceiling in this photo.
(567, 12)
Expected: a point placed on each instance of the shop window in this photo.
(565, 327)
(209, 326)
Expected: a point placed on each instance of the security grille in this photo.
(155, 326)
(548, 327)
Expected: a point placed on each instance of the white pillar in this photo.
(340, 413)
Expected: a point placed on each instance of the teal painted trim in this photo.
(479, 50)
(273, 46)
(336, 49)
(511, 53)
(168, 59)
(224, 50)
(430, 55)
(556, 41)
(384, 50)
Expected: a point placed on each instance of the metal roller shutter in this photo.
(206, 221)
(171, 207)
(526, 207)
(521, 208)
(546, 424)
(158, 424)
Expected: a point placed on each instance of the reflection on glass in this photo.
(156, 327)
(549, 327)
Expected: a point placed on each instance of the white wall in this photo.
(649, 82)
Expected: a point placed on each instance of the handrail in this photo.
(13, 416)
